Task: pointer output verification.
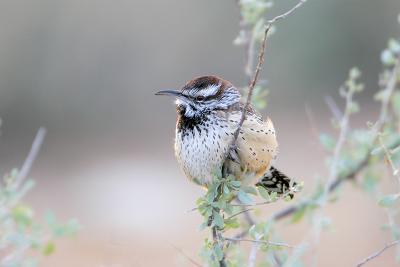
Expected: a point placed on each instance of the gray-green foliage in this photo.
(22, 237)
(219, 212)
(358, 154)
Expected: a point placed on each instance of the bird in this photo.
(209, 110)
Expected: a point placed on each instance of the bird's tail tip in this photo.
(276, 181)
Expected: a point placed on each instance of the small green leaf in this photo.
(226, 189)
(264, 193)
(218, 252)
(394, 46)
(236, 184)
(274, 196)
(49, 248)
(327, 141)
(244, 197)
(354, 73)
(388, 200)
(381, 95)
(325, 222)
(249, 190)
(353, 107)
(22, 215)
(232, 223)
(387, 58)
(260, 103)
(218, 220)
(298, 215)
(217, 173)
(287, 198)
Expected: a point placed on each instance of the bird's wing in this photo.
(256, 145)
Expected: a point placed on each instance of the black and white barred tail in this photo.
(276, 181)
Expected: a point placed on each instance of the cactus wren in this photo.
(209, 111)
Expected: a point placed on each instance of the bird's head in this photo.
(203, 95)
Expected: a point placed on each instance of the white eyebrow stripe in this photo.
(210, 90)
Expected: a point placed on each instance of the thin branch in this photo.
(217, 238)
(284, 15)
(252, 205)
(344, 128)
(253, 252)
(252, 85)
(35, 148)
(333, 107)
(238, 213)
(247, 216)
(378, 253)
(249, 219)
(278, 262)
(259, 65)
(234, 239)
(186, 256)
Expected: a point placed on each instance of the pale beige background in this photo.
(87, 71)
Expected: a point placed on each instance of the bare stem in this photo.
(186, 256)
(333, 107)
(217, 238)
(252, 85)
(35, 148)
(252, 205)
(378, 253)
(234, 239)
(253, 253)
(259, 66)
(238, 213)
(287, 13)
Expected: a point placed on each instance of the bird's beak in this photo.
(170, 92)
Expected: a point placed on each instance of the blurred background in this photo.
(87, 70)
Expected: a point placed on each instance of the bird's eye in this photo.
(200, 98)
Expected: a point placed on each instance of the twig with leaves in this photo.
(352, 153)
(334, 183)
(19, 232)
(217, 199)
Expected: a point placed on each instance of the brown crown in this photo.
(205, 81)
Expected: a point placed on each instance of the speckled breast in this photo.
(201, 147)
